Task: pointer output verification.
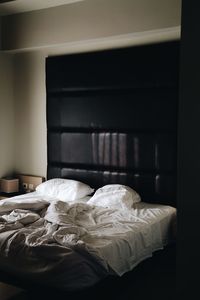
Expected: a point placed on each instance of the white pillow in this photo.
(64, 189)
(115, 196)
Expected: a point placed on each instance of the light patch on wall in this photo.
(30, 108)
(6, 115)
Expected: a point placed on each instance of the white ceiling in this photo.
(10, 7)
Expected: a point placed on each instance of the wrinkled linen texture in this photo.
(74, 245)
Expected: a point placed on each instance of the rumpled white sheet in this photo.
(77, 243)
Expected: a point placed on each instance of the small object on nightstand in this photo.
(9, 185)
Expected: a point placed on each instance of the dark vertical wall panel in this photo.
(188, 249)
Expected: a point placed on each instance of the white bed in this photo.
(73, 245)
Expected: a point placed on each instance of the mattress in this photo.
(74, 245)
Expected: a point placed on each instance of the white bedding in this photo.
(74, 245)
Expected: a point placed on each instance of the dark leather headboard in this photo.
(112, 118)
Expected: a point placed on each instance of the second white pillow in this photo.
(115, 196)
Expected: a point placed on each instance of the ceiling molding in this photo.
(10, 7)
(6, 1)
(110, 42)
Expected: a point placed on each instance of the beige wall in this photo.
(0, 34)
(6, 115)
(30, 114)
(82, 26)
(22, 114)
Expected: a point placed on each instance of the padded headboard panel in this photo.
(112, 118)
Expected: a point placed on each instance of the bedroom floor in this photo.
(154, 279)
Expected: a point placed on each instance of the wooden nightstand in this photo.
(9, 195)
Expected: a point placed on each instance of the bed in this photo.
(73, 244)
(113, 133)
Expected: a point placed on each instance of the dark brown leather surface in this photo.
(132, 151)
(148, 109)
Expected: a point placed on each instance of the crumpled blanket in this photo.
(71, 246)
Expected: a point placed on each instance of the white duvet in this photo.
(74, 245)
